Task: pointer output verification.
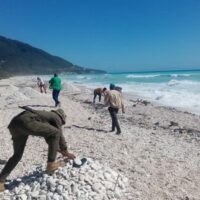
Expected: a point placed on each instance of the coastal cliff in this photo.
(18, 58)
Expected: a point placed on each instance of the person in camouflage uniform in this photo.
(46, 124)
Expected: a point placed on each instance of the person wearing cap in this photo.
(46, 124)
(98, 92)
(113, 99)
(113, 87)
(55, 84)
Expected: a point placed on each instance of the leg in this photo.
(18, 145)
(99, 97)
(58, 92)
(115, 123)
(95, 95)
(112, 118)
(55, 96)
(41, 89)
(45, 90)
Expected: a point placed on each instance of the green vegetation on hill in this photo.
(18, 58)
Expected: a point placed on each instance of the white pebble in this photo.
(92, 181)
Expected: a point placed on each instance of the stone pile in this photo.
(11, 94)
(92, 181)
(70, 88)
(30, 93)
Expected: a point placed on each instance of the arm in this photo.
(51, 84)
(27, 108)
(50, 81)
(63, 148)
(62, 143)
(106, 99)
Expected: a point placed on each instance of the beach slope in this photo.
(158, 150)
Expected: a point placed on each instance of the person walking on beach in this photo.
(55, 84)
(113, 99)
(41, 85)
(46, 124)
(98, 92)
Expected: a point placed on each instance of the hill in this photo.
(18, 58)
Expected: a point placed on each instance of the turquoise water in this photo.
(179, 89)
(137, 77)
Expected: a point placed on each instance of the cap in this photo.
(61, 114)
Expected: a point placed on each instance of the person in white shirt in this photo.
(41, 85)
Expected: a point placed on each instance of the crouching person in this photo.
(46, 124)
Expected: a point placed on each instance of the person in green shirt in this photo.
(55, 84)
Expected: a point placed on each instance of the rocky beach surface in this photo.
(157, 156)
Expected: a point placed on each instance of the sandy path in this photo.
(158, 150)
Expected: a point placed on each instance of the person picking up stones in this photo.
(46, 124)
(98, 92)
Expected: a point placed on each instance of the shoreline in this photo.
(136, 98)
(126, 95)
(158, 150)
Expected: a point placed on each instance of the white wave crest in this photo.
(185, 83)
(180, 75)
(173, 82)
(142, 76)
(83, 77)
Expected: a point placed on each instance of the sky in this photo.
(112, 35)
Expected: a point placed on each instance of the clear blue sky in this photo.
(114, 35)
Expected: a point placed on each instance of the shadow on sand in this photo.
(3, 162)
(42, 106)
(87, 128)
(27, 179)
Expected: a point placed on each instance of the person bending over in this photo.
(46, 124)
(98, 92)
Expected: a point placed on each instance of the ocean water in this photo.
(178, 89)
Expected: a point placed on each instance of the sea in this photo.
(176, 89)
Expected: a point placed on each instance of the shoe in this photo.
(112, 130)
(59, 105)
(118, 132)
(52, 166)
(2, 187)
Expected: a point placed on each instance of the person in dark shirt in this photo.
(46, 124)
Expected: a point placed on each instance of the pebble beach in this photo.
(157, 156)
